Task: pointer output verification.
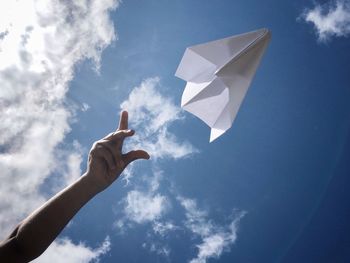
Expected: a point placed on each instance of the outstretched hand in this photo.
(106, 160)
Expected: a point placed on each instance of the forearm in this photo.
(105, 163)
(37, 231)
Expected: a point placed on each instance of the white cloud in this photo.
(148, 206)
(160, 249)
(162, 228)
(195, 218)
(68, 162)
(151, 114)
(330, 20)
(64, 249)
(85, 107)
(143, 206)
(40, 44)
(215, 239)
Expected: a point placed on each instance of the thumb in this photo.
(135, 155)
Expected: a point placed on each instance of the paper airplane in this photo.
(218, 75)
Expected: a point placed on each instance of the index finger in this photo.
(123, 122)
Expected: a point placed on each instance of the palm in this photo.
(106, 160)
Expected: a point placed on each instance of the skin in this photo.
(105, 164)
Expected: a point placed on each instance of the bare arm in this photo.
(106, 162)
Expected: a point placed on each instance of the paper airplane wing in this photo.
(205, 100)
(218, 75)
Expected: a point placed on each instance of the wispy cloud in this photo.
(215, 239)
(65, 250)
(162, 228)
(151, 113)
(147, 205)
(144, 205)
(160, 250)
(330, 20)
(40, 44)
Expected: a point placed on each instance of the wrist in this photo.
(90, 184)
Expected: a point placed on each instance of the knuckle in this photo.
(99, 145)
(108, 136)
(118, 133)
(96, 147)
(111, 134)
(123, 132)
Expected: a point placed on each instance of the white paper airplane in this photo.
(218, 75)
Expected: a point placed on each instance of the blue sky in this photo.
(273, 188)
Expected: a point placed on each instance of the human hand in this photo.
(106, 160)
